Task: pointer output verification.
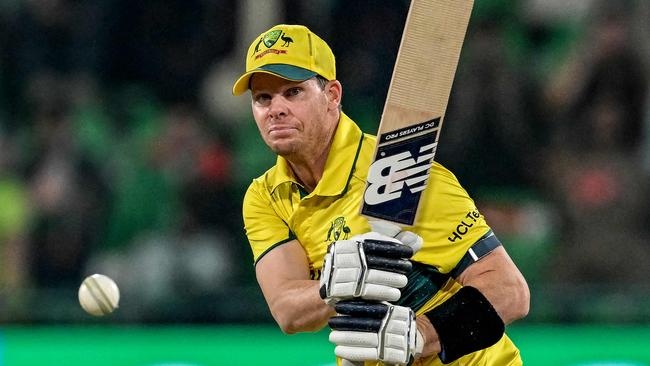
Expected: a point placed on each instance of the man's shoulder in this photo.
(438, 168)
(368, 144)
(262, 183)
(364, 156)
(260, 190)
(444, 181)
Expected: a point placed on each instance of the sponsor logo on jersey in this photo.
(464, 226)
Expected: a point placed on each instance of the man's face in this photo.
(292, 116)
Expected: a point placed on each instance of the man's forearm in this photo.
(299, 308)
(510, 299)
(507, 291)
(494, 294)
(294, 301)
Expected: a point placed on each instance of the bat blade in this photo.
(415, 107)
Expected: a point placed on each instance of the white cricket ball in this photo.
(99, 295)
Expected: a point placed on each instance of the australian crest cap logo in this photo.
(271, 37)
(269, 40)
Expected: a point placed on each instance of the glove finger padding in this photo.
(375, 331)
(370, 266)
(359, 309)
(401, 266)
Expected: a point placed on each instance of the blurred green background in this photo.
(122, 152)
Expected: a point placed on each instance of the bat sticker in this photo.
(397, 178)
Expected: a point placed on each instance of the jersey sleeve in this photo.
(264, 228)
(449, 222)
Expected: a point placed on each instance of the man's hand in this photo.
(375, 331)
(371, 266)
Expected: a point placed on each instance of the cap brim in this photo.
(289, 72)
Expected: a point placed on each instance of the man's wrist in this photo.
(429, 336)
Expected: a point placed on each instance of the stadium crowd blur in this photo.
(123, 153)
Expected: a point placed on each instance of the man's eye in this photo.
(293, 91)
(261, 98)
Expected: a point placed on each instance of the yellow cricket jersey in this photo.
(276, 210)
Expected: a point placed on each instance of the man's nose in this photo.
(278, 107)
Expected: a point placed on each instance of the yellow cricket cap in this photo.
(291, 52)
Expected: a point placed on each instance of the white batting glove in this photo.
(407, 238)
(371, 266)
(375, 332)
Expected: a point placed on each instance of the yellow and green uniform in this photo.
(277, 209)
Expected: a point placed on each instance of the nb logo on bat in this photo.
(389, 175)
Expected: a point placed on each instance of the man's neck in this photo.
(308, 166)
(308, 170)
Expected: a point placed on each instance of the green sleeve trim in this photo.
(291, 237)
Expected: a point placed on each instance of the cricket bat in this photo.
(414, 111)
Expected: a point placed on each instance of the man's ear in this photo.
(334, 91)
